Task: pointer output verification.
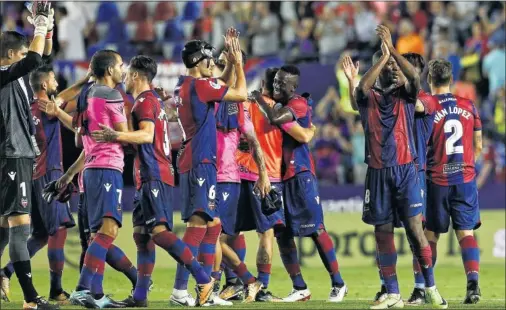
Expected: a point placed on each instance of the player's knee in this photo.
(158, 229)
(109, 227)
(461, 234)
(266, 235)
(385, 228)
(431, 236)
(196, 221)
(215, 222)
(19, 219)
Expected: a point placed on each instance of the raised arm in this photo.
(351, 72)
(370, 77)
(409, 71)
(238, 92)
(70, 93)
(52, 109)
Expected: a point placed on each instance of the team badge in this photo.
(24, 202)
(214, 85)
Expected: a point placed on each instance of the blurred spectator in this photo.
(70, 32)
(477, 43)
(263, 29)
(10, 24)
(327, 155)
(365, 25)
(409, 41)
(417, 16)
(494, 64)
(330, 32)
(358, 153)
(464, 87)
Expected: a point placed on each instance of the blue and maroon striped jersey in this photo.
(423, 128)
(297, 156)
(195, 99)
(388, 121)
(153, 161)
(450, 156)
(48, 137)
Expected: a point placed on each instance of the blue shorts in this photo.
(153, 205)
(458, 202)
(422, 178)
(303, 211)
(250, 207)
(48, 218)
(227, 198)
(103, 189)
(198, 190)
(391, 195)
(82, 219)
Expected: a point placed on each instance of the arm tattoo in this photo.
(110, 135)
(258, 155)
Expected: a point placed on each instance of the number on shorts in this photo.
(212, 193)
(166, 140)
(453, 126)
(367, 197)
(23, 189)
(120, 192)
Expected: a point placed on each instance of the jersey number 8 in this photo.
(455, 127)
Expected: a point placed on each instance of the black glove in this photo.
(272, 202)
(41, 8)
(63, 195)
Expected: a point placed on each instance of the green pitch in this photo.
(362, 283)
(355, 251)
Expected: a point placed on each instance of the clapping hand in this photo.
(350, 69)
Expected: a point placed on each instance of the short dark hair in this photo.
(102, 60)
(11, 40)
(290, 69)
(38, 76)
(416, 60)
(145, 66)
(269, 76)
(440, 71)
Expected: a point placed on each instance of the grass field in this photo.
(362, 283)
(354, 246)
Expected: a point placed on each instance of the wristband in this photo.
(49, 34)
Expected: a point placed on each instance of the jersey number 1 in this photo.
(455, 127)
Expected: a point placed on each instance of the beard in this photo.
(52, 93)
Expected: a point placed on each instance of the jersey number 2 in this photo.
(453, 126)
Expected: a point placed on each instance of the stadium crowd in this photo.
(471, 35)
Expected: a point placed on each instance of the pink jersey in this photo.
(227, 143)
(105, 106)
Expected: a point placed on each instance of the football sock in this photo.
(207, 248)
(34, 244)
(117, 259)
(216, 275)
(193, 238)
(239, 246)
(145, 264)
(417, 272)
(264, 274)
(470, 257)
(244, 274)
(20, 257)
(94, 261)
(56, 259)
(424, 256)
(387, 257)
(288, 253)
(327, 253)
(168, 241)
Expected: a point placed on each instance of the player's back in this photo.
(424, 123)
(270, 140)
(388, 120)
(297, 156)
(195, 99)
(48, 138)
(104, 106)
(451, 146)
(153, 160)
